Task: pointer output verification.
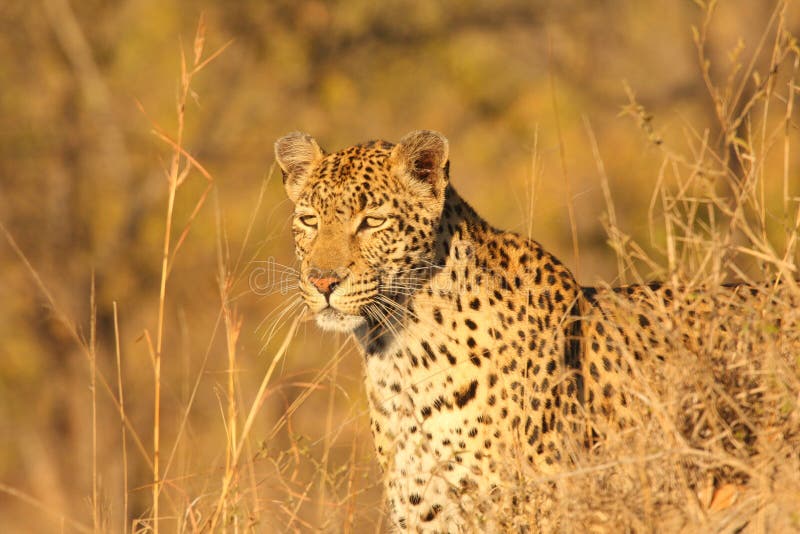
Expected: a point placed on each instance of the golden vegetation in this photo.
(137, 344)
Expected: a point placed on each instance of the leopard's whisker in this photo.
(280, 319)
(291, 300)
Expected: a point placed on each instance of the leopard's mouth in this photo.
(330, 318)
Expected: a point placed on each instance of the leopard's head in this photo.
(365, 221)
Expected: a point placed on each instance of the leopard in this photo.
(484, 359)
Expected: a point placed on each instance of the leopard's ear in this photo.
(422, 156)
(296, 154)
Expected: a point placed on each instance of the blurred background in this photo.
(518, 87)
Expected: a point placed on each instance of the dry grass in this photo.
(718, 442)
(717, 445)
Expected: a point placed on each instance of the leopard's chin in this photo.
(333, 320)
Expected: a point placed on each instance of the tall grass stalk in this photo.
(123, 438)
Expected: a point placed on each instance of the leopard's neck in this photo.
(460, 230)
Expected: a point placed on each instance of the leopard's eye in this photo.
(309, 221)
(370, 222)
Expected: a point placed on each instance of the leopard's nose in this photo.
(325, 282)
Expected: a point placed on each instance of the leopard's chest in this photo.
(423, 388)
(436, 394)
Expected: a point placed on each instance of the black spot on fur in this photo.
(466, 395)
